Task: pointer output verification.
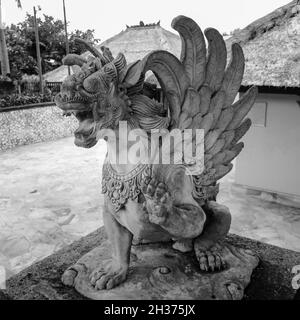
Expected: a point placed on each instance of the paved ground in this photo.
(50, 195)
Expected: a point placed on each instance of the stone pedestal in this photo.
(271, 280)
(159, 272)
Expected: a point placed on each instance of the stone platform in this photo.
(270, 280)
(159, 272)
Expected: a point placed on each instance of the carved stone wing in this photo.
(201, 91)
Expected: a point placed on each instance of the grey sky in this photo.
(110, 17)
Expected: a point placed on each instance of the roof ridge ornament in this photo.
(143, 25)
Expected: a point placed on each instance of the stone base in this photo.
(271, 280)
(159, 272)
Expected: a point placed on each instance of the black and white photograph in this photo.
(150, 152)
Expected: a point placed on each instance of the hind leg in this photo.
(207, 248)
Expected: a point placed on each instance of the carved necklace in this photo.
(121, 187)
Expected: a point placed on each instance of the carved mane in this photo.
(147, 114)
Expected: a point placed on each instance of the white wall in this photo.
(271, 157)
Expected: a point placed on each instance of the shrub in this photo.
(18, 100)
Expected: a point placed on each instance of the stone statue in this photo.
(158, 218)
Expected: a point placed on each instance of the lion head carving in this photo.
(104, 91)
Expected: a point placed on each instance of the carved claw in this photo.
(149, 188)
(107, 277)
(210, 260)
(71, 273)
(158, 201)
(68, 277)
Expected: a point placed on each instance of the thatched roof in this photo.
(271, 46)
(56, 75)
(135, 42)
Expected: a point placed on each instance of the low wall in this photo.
(33, 123)
(271, 280)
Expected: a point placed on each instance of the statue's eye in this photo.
(122, 89)
(92, 65)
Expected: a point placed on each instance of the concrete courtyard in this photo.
(50, 195)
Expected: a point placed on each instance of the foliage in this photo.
(18, 100)
(21, 44)
(29, 78)
(21, 62)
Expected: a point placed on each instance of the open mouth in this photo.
(80, 106)
(73, 103)
(85, 133)
(86, 122)
(82, 110)
(83, 115)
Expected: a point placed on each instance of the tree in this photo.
(20, 61)
(5, 68)
(22, 47)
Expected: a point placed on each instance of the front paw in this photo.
(158, 201)
(108, 277)
(210, 260)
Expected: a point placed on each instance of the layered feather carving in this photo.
(193, 49)
(172, 77)
(201, 92)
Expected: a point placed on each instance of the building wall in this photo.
(271, 158)
(26, 126)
